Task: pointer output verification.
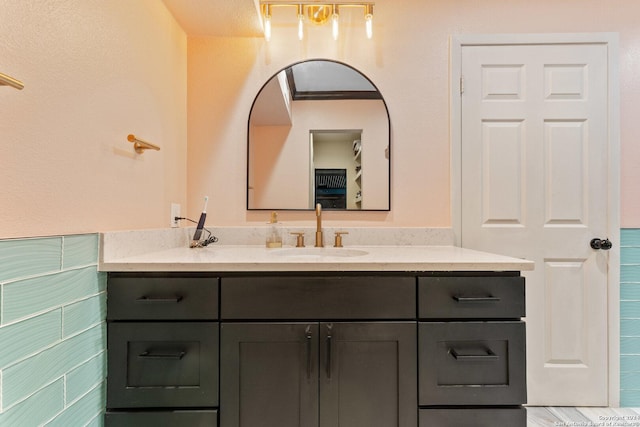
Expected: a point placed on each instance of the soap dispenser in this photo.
(274, 237)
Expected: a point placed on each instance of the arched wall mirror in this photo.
(318, 132)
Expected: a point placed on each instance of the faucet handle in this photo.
(299, 238)
(338, 242)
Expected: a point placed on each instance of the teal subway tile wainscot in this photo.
(630, 317)
(52, 332)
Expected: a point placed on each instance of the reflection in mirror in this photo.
(318, 132)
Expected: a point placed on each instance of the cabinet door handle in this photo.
(147, 299)
(307, 335)
(461, 356)
(329, 339)
(463, 299)
(174, 356)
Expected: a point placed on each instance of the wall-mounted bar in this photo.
(141, 145)
(10, 81)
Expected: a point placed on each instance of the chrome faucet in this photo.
(319, 238)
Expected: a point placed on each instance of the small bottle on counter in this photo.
(274, 236)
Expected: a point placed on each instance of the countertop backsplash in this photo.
(122, 244)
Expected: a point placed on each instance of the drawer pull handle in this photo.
(462, 299)
(174, 300)
(489, 356)
(173, 356)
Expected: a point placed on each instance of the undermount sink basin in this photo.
(319, 252)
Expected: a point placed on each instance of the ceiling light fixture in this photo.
(317, 13)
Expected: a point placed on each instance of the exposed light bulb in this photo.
(267, 28)
(368, 21)
(300, 28)
(300, 22)
(335, 19)
(369, 26)
(266, 14)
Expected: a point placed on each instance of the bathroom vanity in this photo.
(371, 336)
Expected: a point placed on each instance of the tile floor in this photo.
(582, 417)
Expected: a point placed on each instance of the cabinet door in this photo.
(368, 374)
(269, 375)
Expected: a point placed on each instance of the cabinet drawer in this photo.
(136, 297)
(471, 297)
(161, 419)
(319, 297)
(464, 417)
(162, 364)
(472, 363)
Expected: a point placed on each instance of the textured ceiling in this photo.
(237, 18)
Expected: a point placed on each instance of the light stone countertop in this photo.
(254, 258)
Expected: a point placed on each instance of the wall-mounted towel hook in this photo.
(141, 145)
(10, 81)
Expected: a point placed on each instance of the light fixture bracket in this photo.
(318, 14)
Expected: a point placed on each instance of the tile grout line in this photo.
(50, 309)
(62, 253)
(28, 396)
(52, 345)
(66, 407)
(61, 377)
(64, 391)
(99, 414)
(62, 317)
(83, 395)
(48, 273)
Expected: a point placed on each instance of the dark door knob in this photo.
(604, 244)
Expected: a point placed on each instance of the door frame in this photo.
(613, 277)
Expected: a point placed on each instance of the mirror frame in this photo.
(337, 96)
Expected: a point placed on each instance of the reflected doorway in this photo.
(336, 181)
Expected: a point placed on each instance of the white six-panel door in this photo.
(534, 184)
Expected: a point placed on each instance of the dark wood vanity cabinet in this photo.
(163, 346)
(316, 349)
(349, 359)
(471, 351)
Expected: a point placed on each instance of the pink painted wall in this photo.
(94, 71)
(98, 70)
(408, 59)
